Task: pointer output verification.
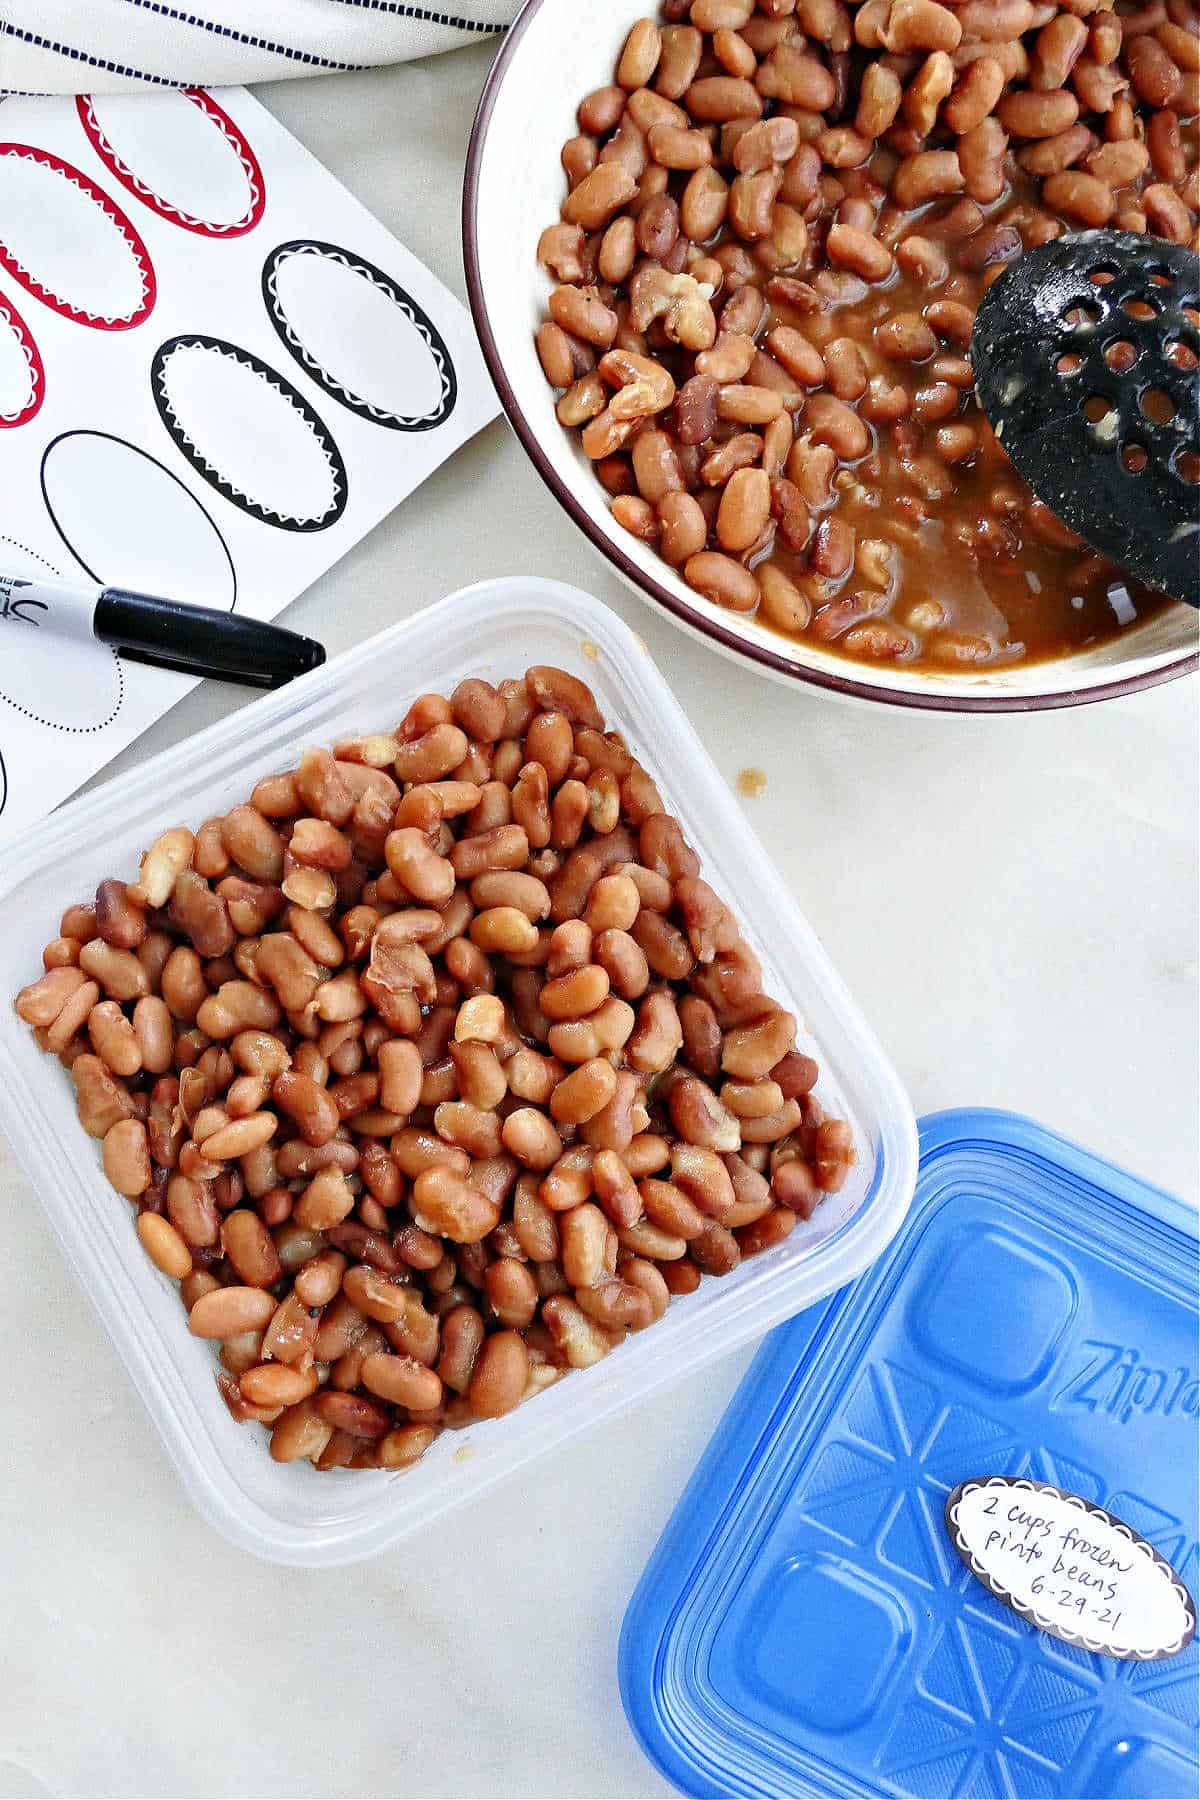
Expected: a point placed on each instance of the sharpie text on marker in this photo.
(17, 607)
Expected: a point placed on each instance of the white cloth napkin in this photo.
(98, 46)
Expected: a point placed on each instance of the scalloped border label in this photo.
(400, 298)
(27, 407)
(306, 420)
(1070, 1568)
(135, 184)
(122, 226)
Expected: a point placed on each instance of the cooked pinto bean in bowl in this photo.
(779, 221)
(558, 54)
(433, 1069)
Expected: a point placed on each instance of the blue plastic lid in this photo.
(805, 1626)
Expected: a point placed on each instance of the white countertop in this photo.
(1013, 900)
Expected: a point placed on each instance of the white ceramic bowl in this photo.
(555, 53)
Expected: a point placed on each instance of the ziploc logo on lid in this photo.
(1114, 1380)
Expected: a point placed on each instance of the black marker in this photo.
(194, 640)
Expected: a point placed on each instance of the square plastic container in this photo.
(287, 1512)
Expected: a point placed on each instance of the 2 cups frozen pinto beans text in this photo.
(780, 220)
(433, 1070)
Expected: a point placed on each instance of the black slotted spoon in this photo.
(1087, 364)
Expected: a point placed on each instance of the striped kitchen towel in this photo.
(97, 46)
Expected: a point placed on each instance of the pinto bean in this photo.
(500, 1375)
(925, 176)
(127, 1157)
(595, 199)
(718, 98)
(318, 1129)
(721, 580)
(1080, 196)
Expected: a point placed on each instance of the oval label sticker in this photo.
(1070, 1568)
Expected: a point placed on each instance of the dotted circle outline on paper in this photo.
(52, 724)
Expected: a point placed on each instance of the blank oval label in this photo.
(131, 523)
(359, 335)
(22, 376)
(52, 678)
(247, 431)
(183, 157)
(1070, 1568)
(69, 244)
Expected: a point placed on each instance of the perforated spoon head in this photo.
(1086, 354)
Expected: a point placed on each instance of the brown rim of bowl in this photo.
(1186, 664)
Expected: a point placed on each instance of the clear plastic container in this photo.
(287, 1512)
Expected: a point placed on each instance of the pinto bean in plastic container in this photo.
(288, 1512)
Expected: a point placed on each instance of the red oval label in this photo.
(64, 304)
(25, 406)
(141, 189)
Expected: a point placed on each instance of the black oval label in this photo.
(382, 283)
(1070, 1568)
(202, 442)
